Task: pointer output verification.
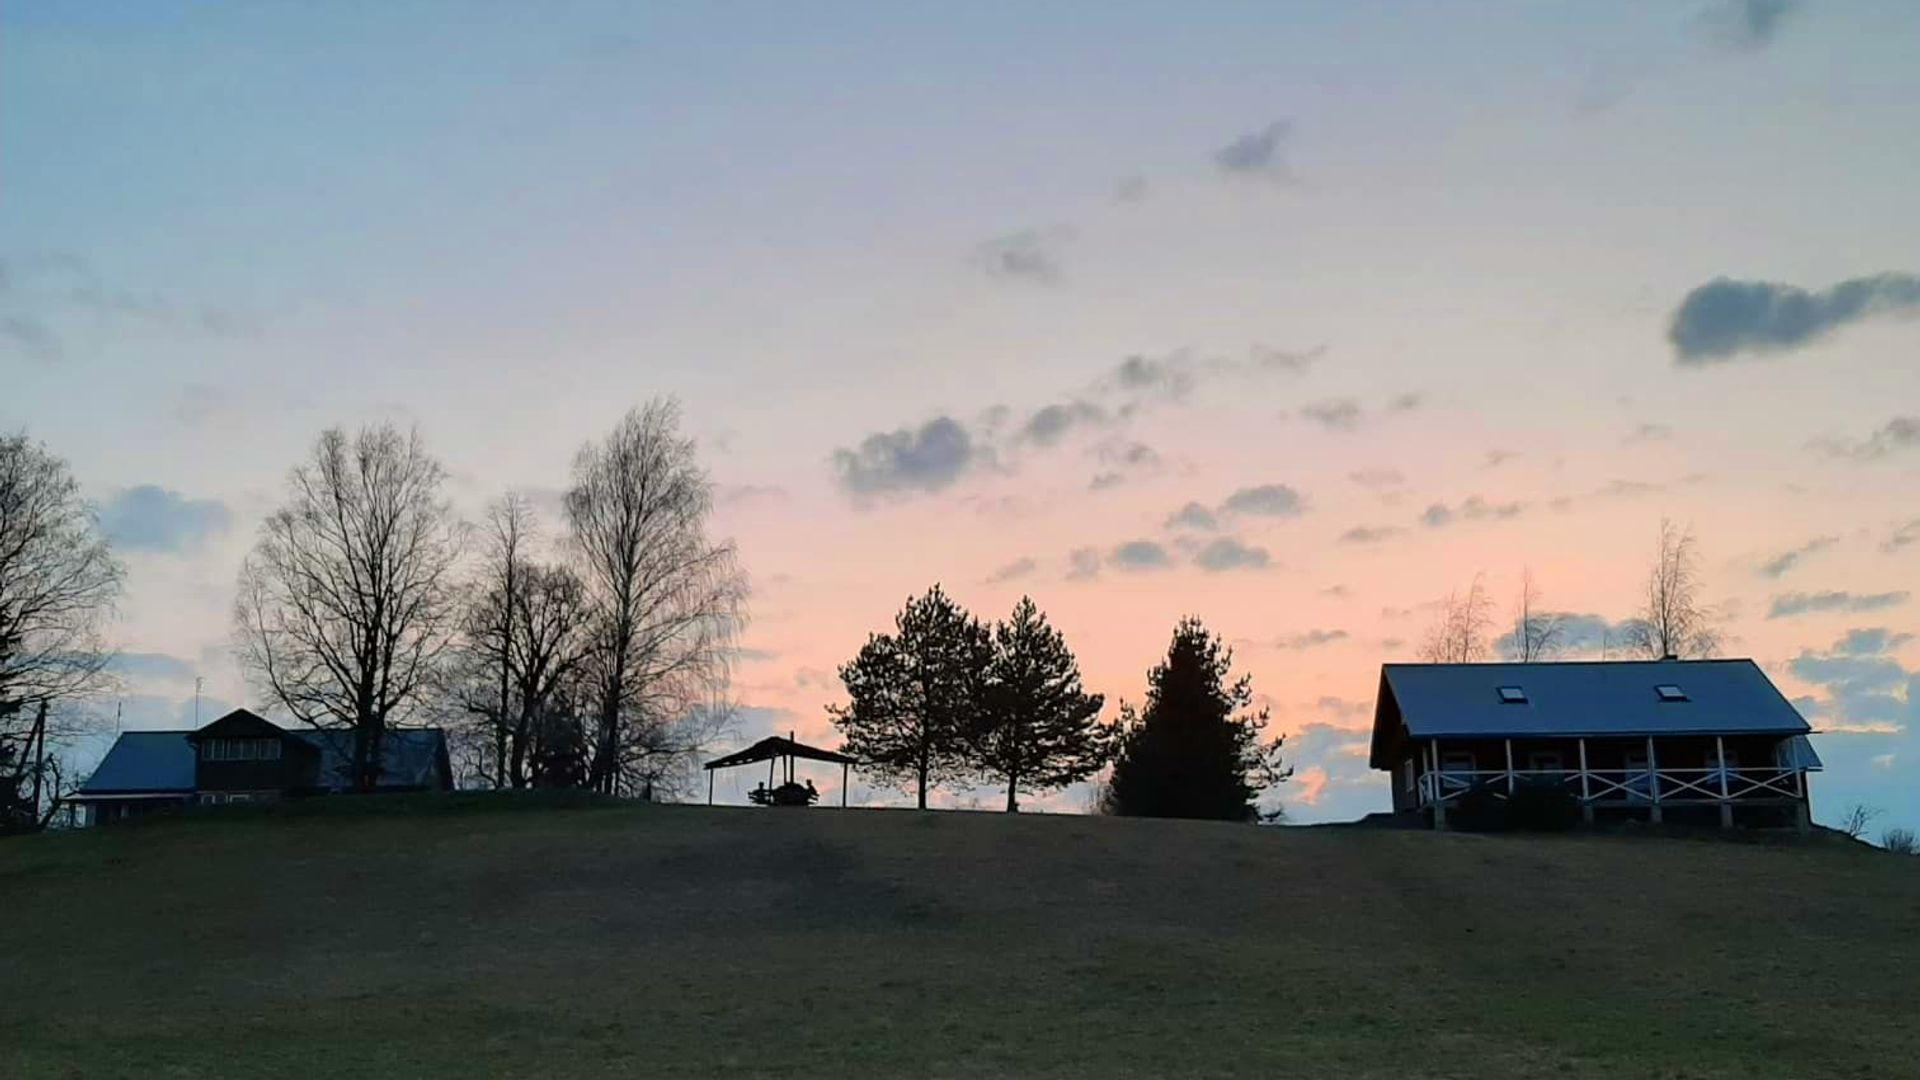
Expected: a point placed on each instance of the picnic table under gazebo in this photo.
(775, 750)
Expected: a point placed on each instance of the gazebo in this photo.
(774, 750)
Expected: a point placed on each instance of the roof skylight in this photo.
(1513, 695)
(1670, 692)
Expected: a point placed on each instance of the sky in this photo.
(1295, 317)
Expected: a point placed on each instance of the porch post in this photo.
(843, 784)
(1726, 804)
(709, 787)
(1586, 794)
(1509, 768)
(1803, 813)
(1433, 778)
(1653, 783)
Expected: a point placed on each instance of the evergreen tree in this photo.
(1192, 752)
(1039, 729)
(913, 694)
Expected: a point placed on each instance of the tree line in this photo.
(946, 699)
(598, 657)
(598, 660)
(1671, 619)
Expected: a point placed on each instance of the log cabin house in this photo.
(243, 757)
(1698, 741)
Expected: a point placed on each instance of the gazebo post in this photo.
(709, 787)
(843, 784)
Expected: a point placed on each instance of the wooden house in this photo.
(1661, 740)
(243, 757)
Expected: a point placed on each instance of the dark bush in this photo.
(1533, 807)
(1481, 808)
(1542, 807)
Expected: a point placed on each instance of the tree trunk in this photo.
(1013, 802)
(517, 766)
(39, 755)
(361, 738)
(923, 783)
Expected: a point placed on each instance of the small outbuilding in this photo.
(780, 753)
(1660, 739)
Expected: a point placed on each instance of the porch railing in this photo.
(1638, 785)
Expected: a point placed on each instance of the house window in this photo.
(1512, 695)
(1670, 692)
(1456, 769)
(240, 750)
(1544, 761)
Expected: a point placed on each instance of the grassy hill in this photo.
(623, 941)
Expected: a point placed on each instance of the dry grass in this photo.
(604, 942)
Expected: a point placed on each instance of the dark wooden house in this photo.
(1662, 740)
(243, 757)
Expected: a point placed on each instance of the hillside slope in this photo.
(713, 942)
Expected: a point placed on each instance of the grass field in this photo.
(681, 941)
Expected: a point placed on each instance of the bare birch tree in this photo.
(348, 601)
(58, 586)
(1460, 627)
(522, 640)
(668, 601)
(1536, 635)
(488, 625)
(1672, 620)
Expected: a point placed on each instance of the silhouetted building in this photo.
(242, 757)
(1663, 740)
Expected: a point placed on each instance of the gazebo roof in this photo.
(777, 746)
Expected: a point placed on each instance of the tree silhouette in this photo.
(1536, 634)
(1191, 752)
(913, 695)
(1673, 621)
(1460, 625)
(58, 585)
(1039, 727)
(667, 601)
(348, 599)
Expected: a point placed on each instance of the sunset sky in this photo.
(1292, 316)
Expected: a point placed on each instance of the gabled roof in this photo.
(779, 746)
(144, 763)
(1580, 698)
(160, 762)
(237, 722)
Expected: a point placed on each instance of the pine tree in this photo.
(914, 694)
(1039, 729)
(1192, 752)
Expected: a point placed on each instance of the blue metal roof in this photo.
(151, 762)
(144, 762)
(1586, 698)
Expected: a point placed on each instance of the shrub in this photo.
(1542, 807)
(1533, 807)
(1900, 841)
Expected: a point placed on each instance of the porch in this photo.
(1734, 778)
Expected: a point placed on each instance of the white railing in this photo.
(1634, 785)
